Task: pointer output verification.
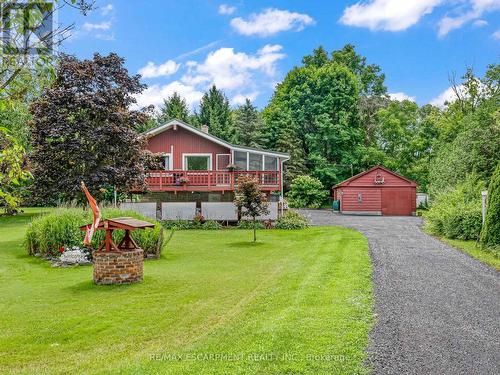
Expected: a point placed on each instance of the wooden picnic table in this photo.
(128, 224)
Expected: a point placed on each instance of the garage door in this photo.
(396, 201)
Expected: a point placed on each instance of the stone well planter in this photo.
(118, 267)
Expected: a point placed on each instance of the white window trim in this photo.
(170, 162)
(217, 160)
(196, 154)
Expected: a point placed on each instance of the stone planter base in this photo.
(118, 267)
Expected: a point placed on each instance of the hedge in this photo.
(490, 235)
(61, 228)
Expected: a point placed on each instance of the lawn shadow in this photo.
(89, 286)
(245, 244)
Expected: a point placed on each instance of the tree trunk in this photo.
(254, 231)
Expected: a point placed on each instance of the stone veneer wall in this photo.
(121, 267)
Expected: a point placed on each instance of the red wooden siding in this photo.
(370, 199)
(389, 179)
(184, 142)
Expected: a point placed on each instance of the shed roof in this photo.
(349, 180)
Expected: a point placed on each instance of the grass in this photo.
(294, 302)
(472, 248)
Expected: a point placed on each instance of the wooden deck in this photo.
(162, 180)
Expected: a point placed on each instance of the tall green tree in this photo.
(316, 107)
(83, 129)
(404, 138)
(468, 132)
(248, 125)
(13, 173)
(216, 113)
(27, 63)
(490, 235)
(174, 107)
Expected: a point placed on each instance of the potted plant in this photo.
(231, 167)
(183, 180)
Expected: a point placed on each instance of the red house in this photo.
(377, 191)
(194, 161)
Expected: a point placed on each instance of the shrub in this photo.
(490, 235)
(248, 224)
(177, 224)
(211, 225)
(456, 213)
(61, 228)
(291, 220)
(306, 192)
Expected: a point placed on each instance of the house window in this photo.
(255, 162)
(360, 198)
(270, 163)
(197, 162)
(167, 162)
(240, 160)
(223, 160)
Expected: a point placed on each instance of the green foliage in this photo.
(215, 112)
(211, 225)
(12, 172)
(404, 135)
(475, 149)
(61, 227)
(15, 116)
(248, 125)
(316, 107)
(291, 220)
(177, 224)
(248, 224)
(490, 235)
(306, 192)
(84, 130)
(249, 200)
(174, 107)
(456, 213)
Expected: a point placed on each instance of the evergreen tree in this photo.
(215, 112)
(174, 107)
(248, 125)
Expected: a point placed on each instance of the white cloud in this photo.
(447, 96)
(496, 35)
(400, 96)
(151, 70)
(198, 50)
(476, 9)
(88, 26)
(105, 10)
(271, 21)
(226, 9)
(241, 98)
(107, 37)
(155, 94)
(232, 70)
(480, 23)
(389, 15)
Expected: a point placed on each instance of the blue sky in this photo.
(246, 47)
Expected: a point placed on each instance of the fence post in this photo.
(484, 196)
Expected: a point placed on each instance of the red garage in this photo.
(377, 191)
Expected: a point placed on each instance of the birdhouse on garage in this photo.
(377, 191)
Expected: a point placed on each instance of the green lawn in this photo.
(474, 250)
(295, 302)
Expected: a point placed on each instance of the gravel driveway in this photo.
(437, 310)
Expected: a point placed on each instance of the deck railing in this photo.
(161, 180)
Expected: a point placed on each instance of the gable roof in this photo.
(161, 128)
(355, 177)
